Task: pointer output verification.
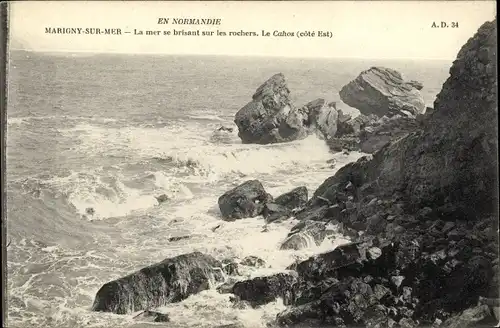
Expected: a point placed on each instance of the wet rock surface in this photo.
(172, 280)
(305, 234)
(270, 117)
(286, 205)
(382, 91)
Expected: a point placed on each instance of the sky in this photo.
(363, 29)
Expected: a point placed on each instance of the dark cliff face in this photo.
(453, 161)
(427, 205)
(456, 158)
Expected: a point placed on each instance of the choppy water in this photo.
(112, 132)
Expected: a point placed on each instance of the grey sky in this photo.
(392, 29)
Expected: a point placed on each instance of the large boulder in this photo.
(383, 91)
(172, 280)
(244, 201)
(270, 117)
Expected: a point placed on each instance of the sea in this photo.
(111, 132)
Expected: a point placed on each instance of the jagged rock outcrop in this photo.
(253, 261)
(270, 117)
(321, 117)
(245, 201)
(382, 91)
(369, 134)
(381, 132)
(172, 280)
(347, 125)
(427, 207)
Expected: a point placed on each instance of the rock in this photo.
(222, 135)
(225, 129)
(312, 213)
(294, 199)
(162, 198)
(397, 280)
(262, 290)
(246, 200)
(323, 118)
(305, 234)
(343, 144)
(417, 85)
(345, 303)
(372, 138)
(275, 212)
(173, 239)
(381, 291)
(230, 267)
(323, 265)
(369, 133)
(227, 286)
(373, 253)
(437, 185)
(406, 296)
(447, 227)
(353, 126)
(407, 323)
(382, 91)
(169, 281)
(471, 318)
(231, 325)
(253, 261)
(152, 316)
(270, 117)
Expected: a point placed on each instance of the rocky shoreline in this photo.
(421, 210)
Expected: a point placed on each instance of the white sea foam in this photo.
(188, 145)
